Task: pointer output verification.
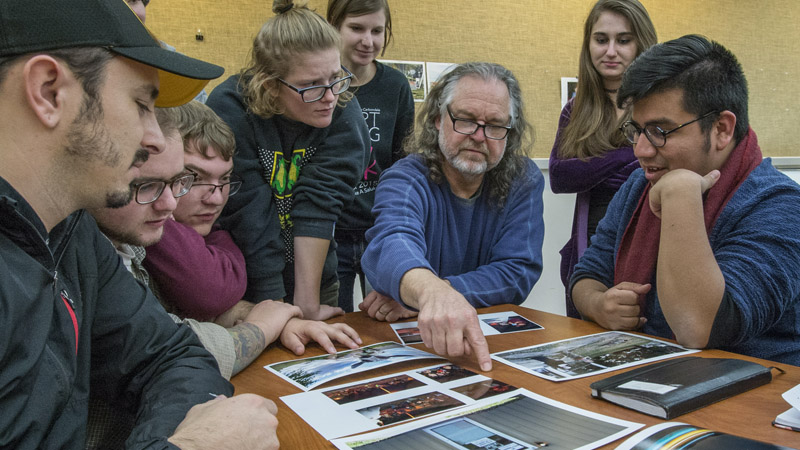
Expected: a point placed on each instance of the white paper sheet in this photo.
(357, 407)
(545, 423)
(308, 373)
(589, 355)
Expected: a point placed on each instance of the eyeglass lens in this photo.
(227, 189)
(469, 127)
(151, 191)
(317, 92)
(652, 132)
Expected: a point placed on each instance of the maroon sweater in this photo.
(197, 277)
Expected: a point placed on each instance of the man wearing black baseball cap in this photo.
(78, 84)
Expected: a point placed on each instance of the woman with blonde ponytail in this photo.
(590, 155)
(302, 146)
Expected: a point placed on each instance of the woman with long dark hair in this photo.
(590, 156)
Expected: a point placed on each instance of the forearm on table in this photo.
(309, 260)
(416, 285)
(586, 294)
(248, 341)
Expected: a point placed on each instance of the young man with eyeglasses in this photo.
(199, 270)
(701, 244)
(166, 179)
(458, 222)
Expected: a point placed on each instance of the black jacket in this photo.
(71, 317)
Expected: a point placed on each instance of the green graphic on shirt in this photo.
(285, 172)
(282, 174)
(294, 171)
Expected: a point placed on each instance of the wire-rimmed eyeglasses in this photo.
(149, 191)
(312, 94)
(228, 188)
(655, 134)
(470, 127)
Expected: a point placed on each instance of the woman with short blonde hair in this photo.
(301, 146)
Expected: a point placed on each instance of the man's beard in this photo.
(461, 164)
(88, 140)
(127, 237)
(118, 199)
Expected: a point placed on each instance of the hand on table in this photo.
(618, 307)
(271, 317)
(324, 312)
(383, 308)
(449, 325)
(245, 421)
(298, 332)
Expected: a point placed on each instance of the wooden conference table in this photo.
(749, 414)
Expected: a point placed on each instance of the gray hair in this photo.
(518, 142)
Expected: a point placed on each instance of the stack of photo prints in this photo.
(447, 407)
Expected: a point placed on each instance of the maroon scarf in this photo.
(638, 250)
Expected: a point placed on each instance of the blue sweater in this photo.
(756, 241)
(491, 256)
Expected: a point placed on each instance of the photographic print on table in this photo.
(505, 322)
(466, 434)
(409, 335)
(521, 416)
(589, 355)
(511, 324)
(415, 73)
(409, 408)
(679, 435)
(307, 373)
(484, 389)
(373, 389)
(446, 373)
(339, 410)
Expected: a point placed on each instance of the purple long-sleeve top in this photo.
(200, 277)
(595, 180)
(574, 175)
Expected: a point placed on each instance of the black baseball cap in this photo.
(30, 26)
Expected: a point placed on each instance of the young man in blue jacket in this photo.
(78, 84)
(701, 243)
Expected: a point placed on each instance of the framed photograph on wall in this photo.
(569, 86)
(415, 72)
(436, 70)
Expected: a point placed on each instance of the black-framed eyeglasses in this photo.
(655, 134)
(312, 94)
(228, 188)
(149, 191)
(470, 127)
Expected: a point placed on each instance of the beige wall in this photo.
(537, 39)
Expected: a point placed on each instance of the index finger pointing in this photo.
(477, 342)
